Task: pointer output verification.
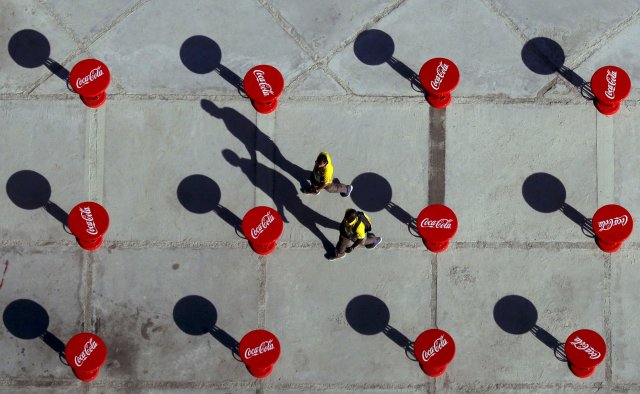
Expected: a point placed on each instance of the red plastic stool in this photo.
(434, 350)
(585, 350)
(437, 224)
(90, 78)
(439, 76)
(264, 84)
(85, 354)
(612, 224)
(610, 85)
(88, 221)
(259, 351)
(262, 226)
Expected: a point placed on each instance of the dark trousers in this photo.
(344, 242)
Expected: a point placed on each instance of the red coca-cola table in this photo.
(434, 350)
(610, 85)
(612, 224)
(85, 354)
(585, 350)
(90, 78)
(264, 84)
(439, 76)
(262, 226)
(88, 221)
(437, 224)
(259, 350)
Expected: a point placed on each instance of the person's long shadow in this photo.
(26, 319)
(30, 49)
(195, 315)
(374, 47)
(202, 55)
(200, 194)
(545, 193)
(285, 196)
(372, 193)
(369, 315)
(516, 315)
(254, 139)
(30, 190)
(544, 56)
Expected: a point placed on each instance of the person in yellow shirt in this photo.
(356, 228)
(322, 178)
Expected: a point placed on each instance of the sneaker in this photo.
(348, 193)
(375, 243)
(336, 257)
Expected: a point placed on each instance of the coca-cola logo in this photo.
(436, 223)
(605, 225)
(88, 348)
(440, 71)
(92, 76)
(263, 348)
(85, 213)
(264, 223)
(582, 345)
(438, 344)
(262, 83)
(611, 84)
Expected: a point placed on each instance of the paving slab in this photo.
(149, 60)
(42, 183)
(141, 327)
(471, 284)
(326, 340)
(47, 285)
(317, 83)
(481, 140)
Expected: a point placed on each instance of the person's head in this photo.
(322, 160)
(231, 157)
(350, 215)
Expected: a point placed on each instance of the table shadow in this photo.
(545, 193)
(517, 315)
(369, 315)
(195, 315)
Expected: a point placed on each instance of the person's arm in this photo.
(355, 245)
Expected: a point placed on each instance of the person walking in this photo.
(322, 178)
(356, 228)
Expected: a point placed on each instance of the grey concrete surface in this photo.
(178, 155)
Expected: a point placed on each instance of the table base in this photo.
(582, 372)
(86, 376)
(92, 244)
(94, 102)
(434, 373)
(436, 247)
(439, 101)
(260, 373)
(265, 108)
(263, 249)
(607, 109)
(608, 247)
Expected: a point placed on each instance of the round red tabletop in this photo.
(610, 84)
(434, 349)
(85, 352)
(259, 349)
(90, 77)
(585, 349)
(262, 225)
(439, 76)
(612, 223)
(437, 223)
(263, 83)
(88, 220)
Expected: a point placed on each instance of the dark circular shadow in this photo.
(542, 55)
(373, 47)
(544, 192)
(198, 193)
(28, 189)
(25, 319)
(371, 192)
(200, 54)
(29, 48)
(195, 315)
(367, 314)
(515, 314)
